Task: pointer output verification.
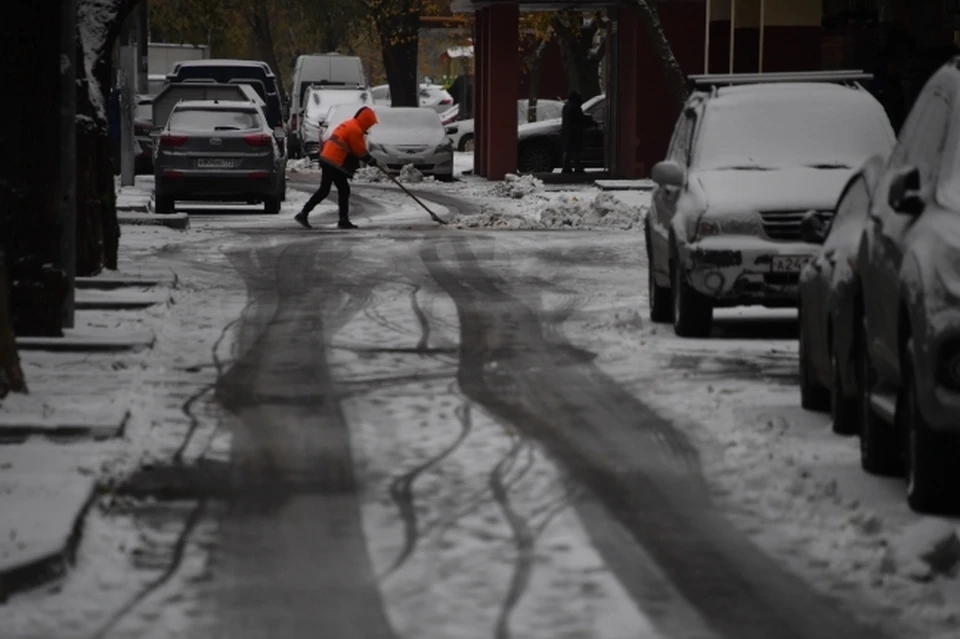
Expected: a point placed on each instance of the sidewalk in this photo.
(108, 397)
(135, 205)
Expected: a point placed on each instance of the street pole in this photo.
(143, 39)
(733, 30)
(68, 153)
(128, 141)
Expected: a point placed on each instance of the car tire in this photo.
(466, 143)
(845, 417)
(658, 297)
(445, 178)
(813, 396)
(692, 311)
(283, 187)
(163, 204)
(880, 446)
(536, 157)
(272, 205)
(933, 475)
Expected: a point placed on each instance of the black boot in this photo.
(301, 219)
(345, 223)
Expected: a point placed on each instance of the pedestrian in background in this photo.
(340, 157)
(572, 125)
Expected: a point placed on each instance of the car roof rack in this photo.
(843, 76)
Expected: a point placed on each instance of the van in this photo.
(324, 69)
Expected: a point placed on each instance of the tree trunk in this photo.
(535, 68)
(259, 20)
(400, 43)
(29, 172)
(11, 375)
(576, 45)
(676, 79)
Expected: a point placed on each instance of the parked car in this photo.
(221, 151)
(540, 146)
(253, 72)
(909, 340)
(317, 105)
(155, 84)
(828, 315)
(546, 110)
(409, 135)
(744, 166)
(431, 95)
(324, 70)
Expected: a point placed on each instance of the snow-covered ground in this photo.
(785, 479)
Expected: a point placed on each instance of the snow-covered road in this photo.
(438, 433)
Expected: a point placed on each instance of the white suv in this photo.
(745, 164)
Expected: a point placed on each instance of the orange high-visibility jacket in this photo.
(347, 139)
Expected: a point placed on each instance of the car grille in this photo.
(785, 225)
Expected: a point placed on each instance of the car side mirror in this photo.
(668, 173)
(813, 228)
(452, 130)
(904, 195)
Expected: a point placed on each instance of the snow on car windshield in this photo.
(409, 118)
(320, 102)
(213, 119)
(786, 126)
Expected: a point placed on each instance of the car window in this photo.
(213, 120)
(680, 144)
(855, 202)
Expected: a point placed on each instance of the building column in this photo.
(480, 49)
(622, 103)
(502, 88)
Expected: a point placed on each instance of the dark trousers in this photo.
(331, 176)
(571, 161)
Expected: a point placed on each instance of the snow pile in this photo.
(409, 173)
(490, 218)
(926, 549)
(302, 165)
(604, 211)
(517, 187)
(369, 175)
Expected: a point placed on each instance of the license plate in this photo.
(214, 163)
(789, 263)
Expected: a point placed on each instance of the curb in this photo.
(51, 566)
(179, 221)
(87, 344)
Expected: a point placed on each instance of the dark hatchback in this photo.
(253, 72)
(221, 151)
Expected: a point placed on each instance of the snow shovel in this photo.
(433, 215)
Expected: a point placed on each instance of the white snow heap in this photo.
(368, 174)
(409, 173)
(928, 548)
(302, 165)
(517, 187)
(604, 211)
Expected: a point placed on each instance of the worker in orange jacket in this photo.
(338, 161)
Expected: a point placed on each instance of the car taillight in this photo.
(258, 175)
(852, 262)
(446, 101)
(294, 121)
(141, 129)
(257, 139)
(173, 140)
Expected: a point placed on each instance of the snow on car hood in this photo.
(778, 189)
(537, 128)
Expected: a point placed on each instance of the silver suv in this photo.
(745, 164)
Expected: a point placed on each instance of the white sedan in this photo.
(463, 137)
(433, 96)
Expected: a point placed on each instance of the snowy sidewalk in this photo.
(135, 205)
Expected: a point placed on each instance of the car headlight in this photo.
(446, 145)
(373, 146)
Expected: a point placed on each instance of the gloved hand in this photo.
(372, 161)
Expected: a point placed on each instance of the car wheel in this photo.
(163, 204)
(880, 452)
(466, 143)
(283, 187)
(843, 409)
(536, 158)
(692, 311)
(661, 307)
(933, 475)
(445, 177)
(813, 396)
(271, 205)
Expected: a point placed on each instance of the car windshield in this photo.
(319, 103)
(213, 120)
(341, 113)
(791, 127)
(409, 118)
(144, 111)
